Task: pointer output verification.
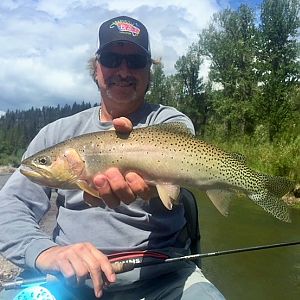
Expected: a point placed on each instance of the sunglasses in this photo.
(114, 60)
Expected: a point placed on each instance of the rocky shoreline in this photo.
(8, 271)
(6, 170)
(292, 199)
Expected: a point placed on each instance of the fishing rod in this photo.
(122, 267)
(217, 253)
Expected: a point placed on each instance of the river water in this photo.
(266, 274)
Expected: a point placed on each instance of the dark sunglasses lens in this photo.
(136, 61)
(114, 60)
(110, 60)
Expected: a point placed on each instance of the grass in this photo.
(280, 158)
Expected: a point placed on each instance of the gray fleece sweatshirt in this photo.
(138, 226)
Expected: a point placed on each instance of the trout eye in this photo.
(44, 160)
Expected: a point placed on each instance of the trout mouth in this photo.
(34, 173)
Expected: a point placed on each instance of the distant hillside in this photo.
(17, 128)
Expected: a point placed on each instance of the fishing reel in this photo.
(34, 293)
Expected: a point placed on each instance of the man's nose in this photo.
(123, 68)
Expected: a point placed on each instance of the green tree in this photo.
(229, 43)
(279, 61)
(190, 87)
(158, 92)
(17, 128)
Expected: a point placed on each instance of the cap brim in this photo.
(122, 41)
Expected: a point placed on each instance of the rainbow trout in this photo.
(166, 156)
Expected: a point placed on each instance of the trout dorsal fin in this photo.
(238, 156)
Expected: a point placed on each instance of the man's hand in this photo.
(113, 187)
(77, 262)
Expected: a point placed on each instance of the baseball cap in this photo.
(123, 29)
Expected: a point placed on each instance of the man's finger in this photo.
(122, 125)
(78, 266)
(105, 191)
(67, 270)
(139, 187)
(94, 268)
(106, 266)
(119, 186)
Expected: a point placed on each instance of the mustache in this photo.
(117, 79)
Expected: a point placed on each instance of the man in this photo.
(123, 220)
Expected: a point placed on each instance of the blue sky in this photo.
(236, 3)
(45, 44)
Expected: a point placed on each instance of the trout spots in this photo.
(165, 152)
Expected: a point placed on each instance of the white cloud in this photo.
(45, 44)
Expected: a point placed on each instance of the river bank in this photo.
(6, 170)
(292, 199)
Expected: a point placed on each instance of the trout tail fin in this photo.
(278, 186)
(270, 197)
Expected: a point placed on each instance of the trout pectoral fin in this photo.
(168, 194)
(221, 200)
(83, 185)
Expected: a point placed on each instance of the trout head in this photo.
(56, 169)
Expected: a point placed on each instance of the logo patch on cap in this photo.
(124, 26)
